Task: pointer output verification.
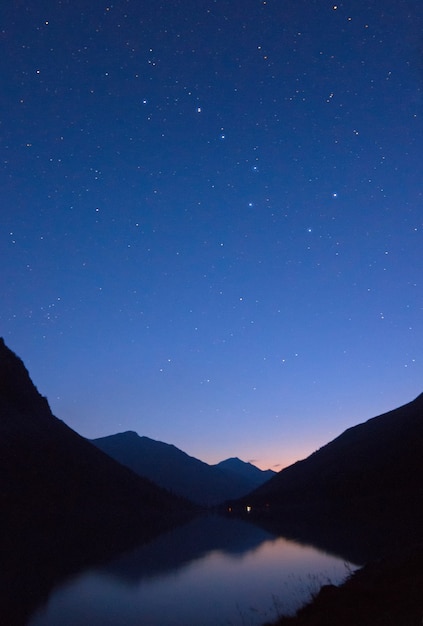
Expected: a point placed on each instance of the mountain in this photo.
(62, 500)
(247, 470)
(182, 474)
(371, 474)
(50, 473)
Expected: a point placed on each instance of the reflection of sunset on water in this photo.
(244, 570)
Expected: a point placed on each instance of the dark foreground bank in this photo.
(387, 592)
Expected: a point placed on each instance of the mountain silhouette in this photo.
(169, 467)
(247, 470)
(63, 501)
(361, 494)
(371, 475)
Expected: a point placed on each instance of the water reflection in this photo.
(213, 571)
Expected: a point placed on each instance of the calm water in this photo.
(211, 572)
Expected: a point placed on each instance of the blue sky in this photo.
(212, 217)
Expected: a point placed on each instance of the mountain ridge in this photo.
(174, 469)
(379, 439)
(368, 481)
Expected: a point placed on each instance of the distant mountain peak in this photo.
(246, 470)
(170, 467)
(234, 462)
(128, 434)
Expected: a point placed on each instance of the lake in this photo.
(213, 571)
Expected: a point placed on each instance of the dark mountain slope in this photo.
(62, 500)
(51, 474)
(384, 453)
(173, 469)
(370, 476)
(360, 496)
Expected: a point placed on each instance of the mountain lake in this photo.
(213, 571)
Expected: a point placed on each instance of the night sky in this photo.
(212, 216)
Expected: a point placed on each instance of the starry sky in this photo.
(211, 216)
